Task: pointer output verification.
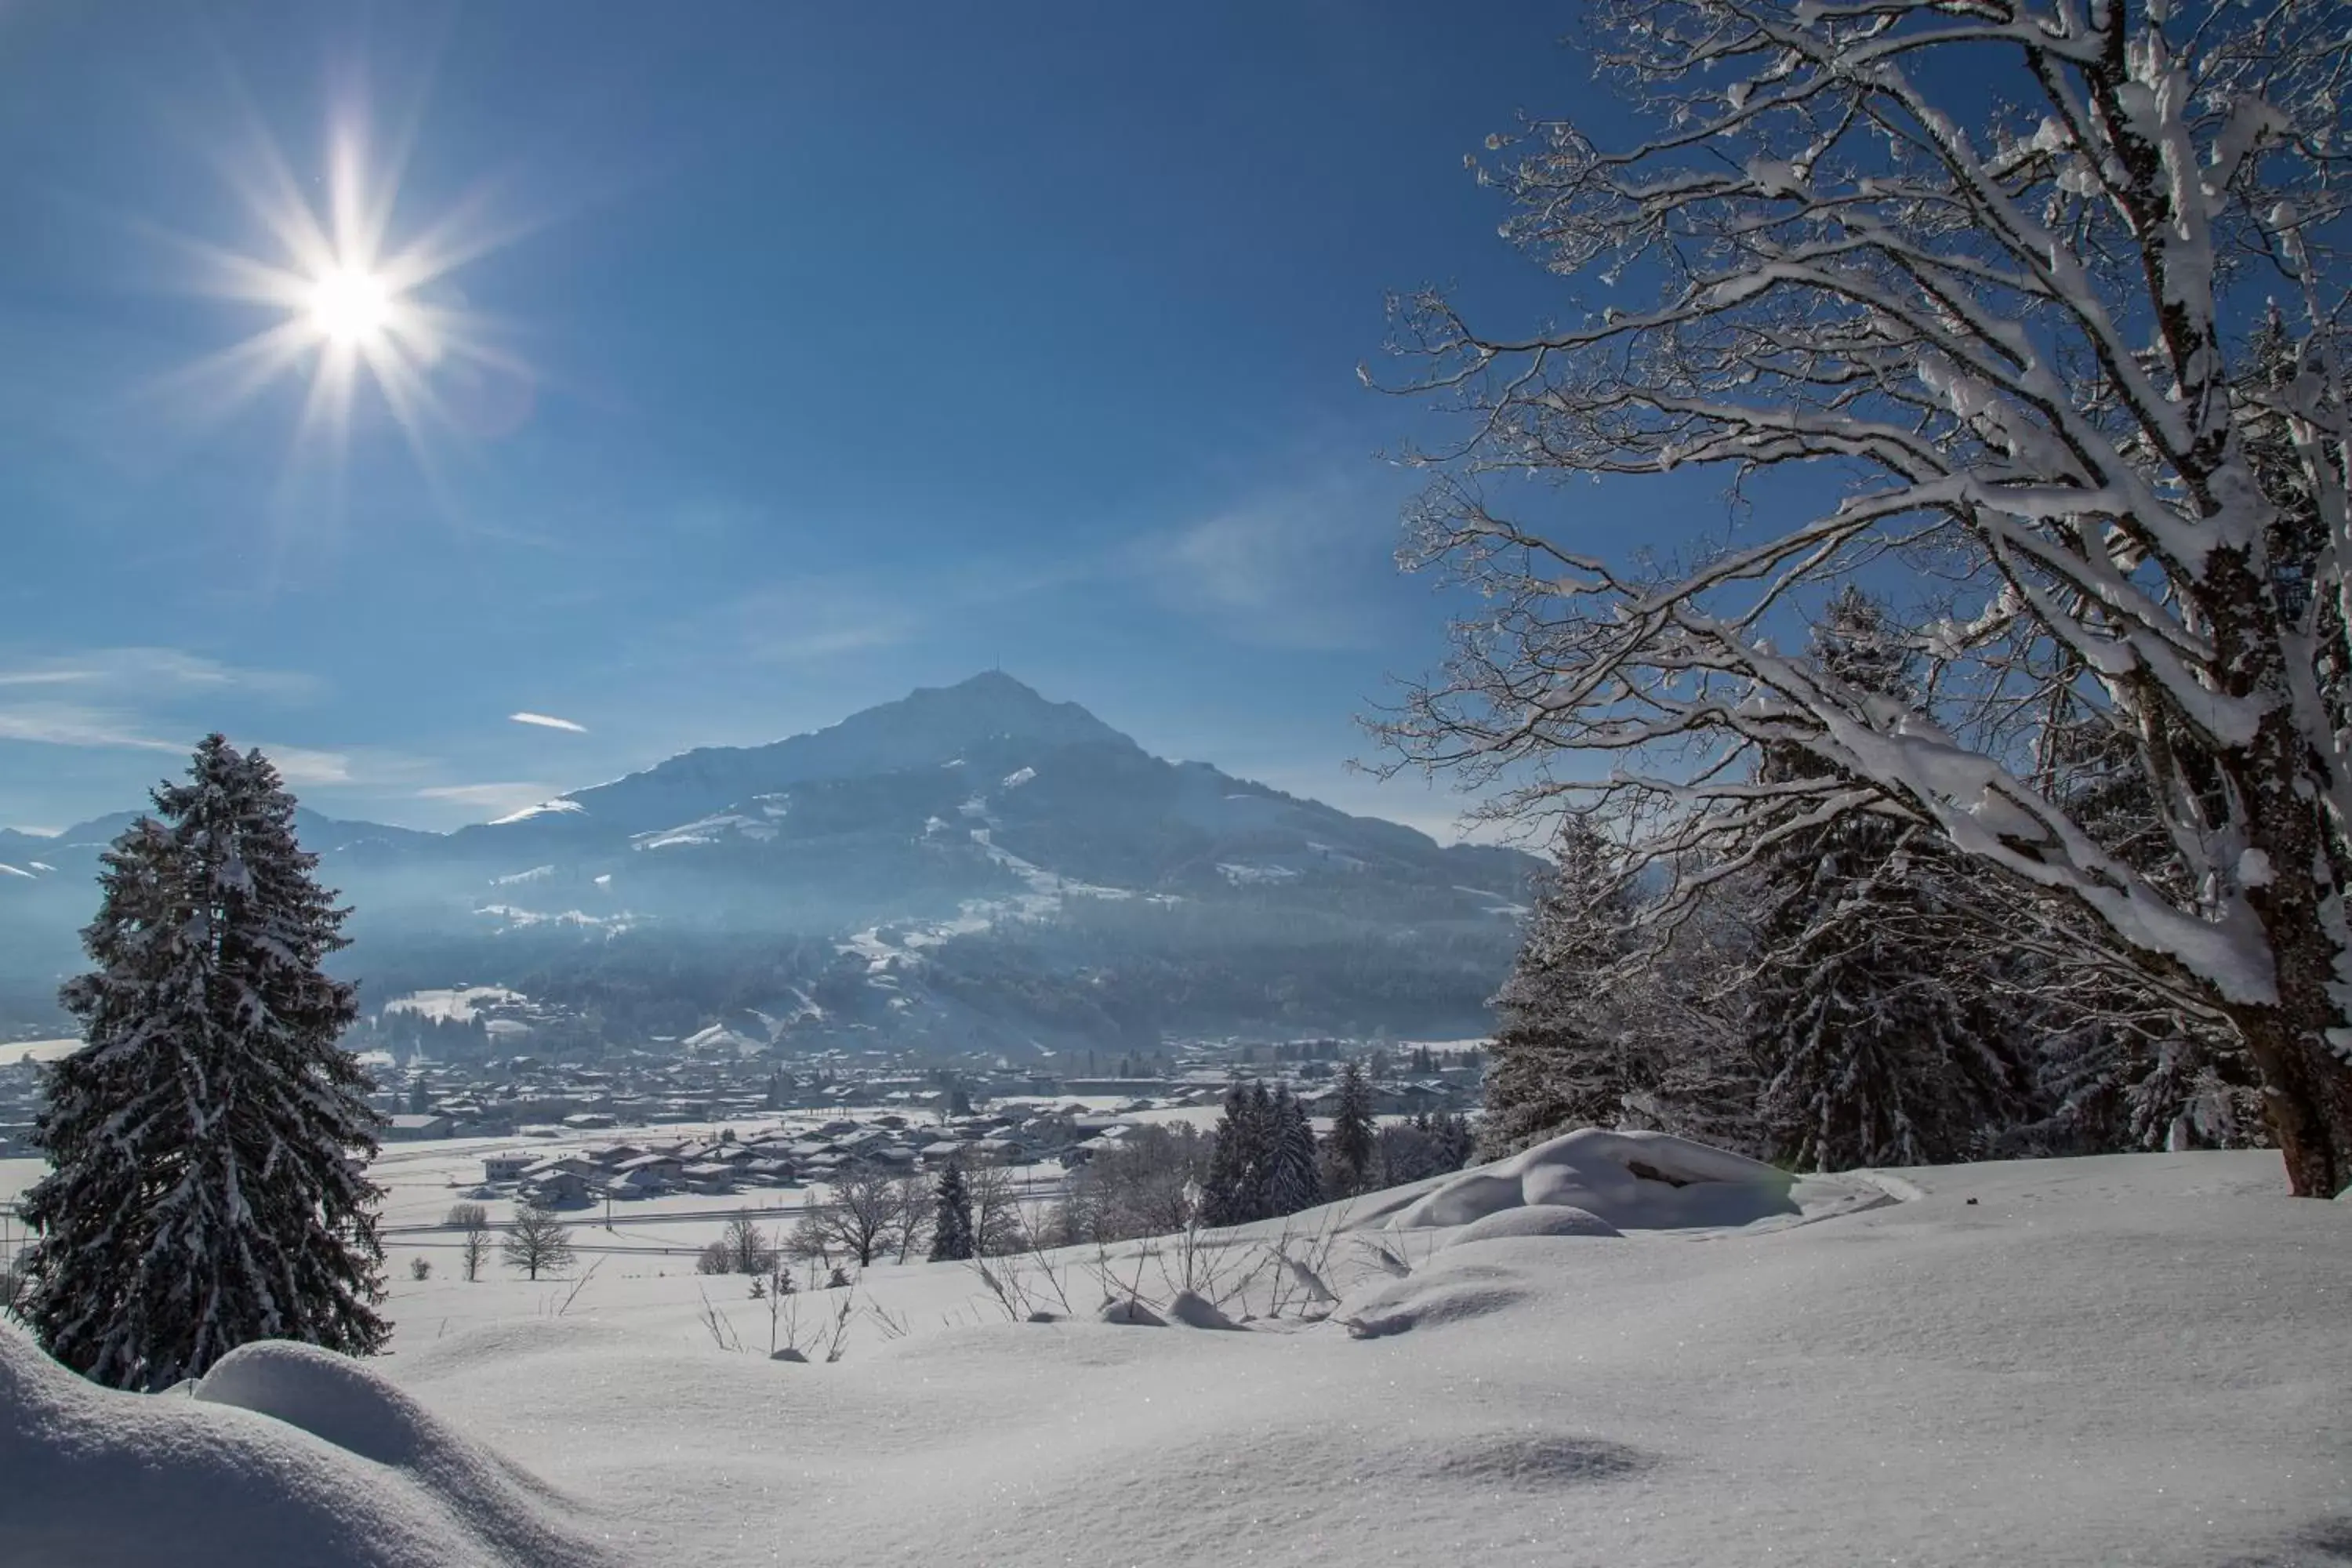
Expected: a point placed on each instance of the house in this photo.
(406, 1129)
(999, 1152)
(591, 1121)
(563, 1165)
(707, 1177)
(662, 1168)
(508, 1166)
(639, 1183)
(946, 1151)
(561, 1190)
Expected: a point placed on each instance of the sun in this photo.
(355, 301)
(350, 306)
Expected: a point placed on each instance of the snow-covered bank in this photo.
(2135, 1359)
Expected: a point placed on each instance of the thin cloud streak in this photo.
(148, 670)
(549, 721)
(499, 797)
(70, 724)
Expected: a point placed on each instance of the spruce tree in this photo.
(952, 1239)
(1561, 1058)
(1234, 1190)
(1870, 1032)
(1349, 1142)
(1292, 1181)
(207, 1140)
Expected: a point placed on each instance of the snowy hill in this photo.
(967, 863)
(2131, 1359)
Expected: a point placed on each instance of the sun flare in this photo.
(351, 306)
(357, 308)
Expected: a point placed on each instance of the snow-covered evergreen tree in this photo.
(952, 1235)
(208, 1141)
(1874, 1041)
(1234, 1192)
(1349, 1145)
(1562, 1059)
(1292, 1181)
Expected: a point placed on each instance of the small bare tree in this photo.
(742, 1248)
(472, 1223)
(997, 1227)
(537, 1240)
(860, 1221)
(911, 1219)
(1984, 289)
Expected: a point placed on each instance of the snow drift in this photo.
(1621, 1181)
(285, 1453)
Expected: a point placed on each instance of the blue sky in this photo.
(833, 351)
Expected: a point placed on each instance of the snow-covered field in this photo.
(2125, 1359)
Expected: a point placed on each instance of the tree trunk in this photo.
(2307, 1082)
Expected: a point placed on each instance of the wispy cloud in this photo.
(73, 724)
(500, 798)
(301, 765)
(1292, 566)
(549, 721)
(155, 670)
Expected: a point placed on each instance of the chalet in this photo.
(638, 1183)
(561, 1190)
(406, 1129)
(707, 1177)
(508, 1166)
(999, 1152)
(946, 1151)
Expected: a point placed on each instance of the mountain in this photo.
(972, 867)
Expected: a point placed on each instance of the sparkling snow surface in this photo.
(2129, 1360)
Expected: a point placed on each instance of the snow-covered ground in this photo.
(2128, 1360)
(17, 1051)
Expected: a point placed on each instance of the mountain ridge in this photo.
(887, 854)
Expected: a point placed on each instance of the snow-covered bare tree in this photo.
(867, 1211)
(208, 1142)
(1969, 290)
(538, 1239)
(472, 1223)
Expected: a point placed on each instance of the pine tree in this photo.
(208, 1141)
(1234, 1190)
(1349, 1142)
(1292, 1181)
(952, 1240)
(1871, 1034)
(1561, 1057)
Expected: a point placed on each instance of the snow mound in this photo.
(1131, 1314)
(253, 1472)
(1197, 1311)
(1631, 1181)
(1431, 1299)
(1539, 1219)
